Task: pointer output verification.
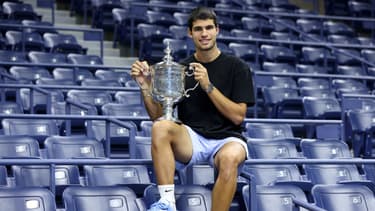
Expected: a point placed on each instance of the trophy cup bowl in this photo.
(168, 86)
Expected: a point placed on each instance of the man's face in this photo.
(204, 34)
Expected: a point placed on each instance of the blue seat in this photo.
(102, 83)
(178, 32)
(48, 27)
(318, 83)
(325, 149)
(350, 197)
(24, 199)
(122, 22)
(102, 13)
(243, 33)
(119, 136)
(283, 25)
(284, 197)
(332, 27)
(181, 17)
(332, 174)
(310, 25)
(321, 108)
(80, 59)
(268, 130)
(90, 97)
(62, 43)
(283, 102)
(305, 68)
(12, 56)
(117, 109)
(351, 70)
(40, 176)
(260, 25)
(140, 147)
(343, 58)
(283, 36)
(19, 11)
(10, 108)
(368, 54)
(128, 98)
(188, 197)
(273, 148)
(185, 6)
(76, 75)
(361, 128)
(44, 57)
(101, 198)
(365, 40)
(278, 54)
(42, 102)
(150, 40)
(316, 55)
(28, 41)
(278, 67)
(359, 8)
(349, 86)
(247, 52)
(29, 73)
(160, 18)
(52, 81)
(342, 39)
(317, 92)
(69, 147)
(135, 177)
(16, 146)
(39, 129)
(121, 77)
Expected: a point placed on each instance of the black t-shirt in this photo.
(232, 77)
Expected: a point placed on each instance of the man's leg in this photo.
(227, 160)
(170, 142)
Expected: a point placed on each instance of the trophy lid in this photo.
(168, 58)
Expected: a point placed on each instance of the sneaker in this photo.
(162, 204)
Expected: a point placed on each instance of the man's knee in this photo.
(163, 131)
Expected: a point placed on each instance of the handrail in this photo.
(67, 65)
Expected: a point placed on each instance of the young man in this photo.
(211, 117)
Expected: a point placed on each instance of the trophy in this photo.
(168, 83)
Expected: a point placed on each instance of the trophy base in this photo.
(170, 119)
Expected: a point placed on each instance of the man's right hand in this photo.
(141, 73)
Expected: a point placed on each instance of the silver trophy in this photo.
(168, 83)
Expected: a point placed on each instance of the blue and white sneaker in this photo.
(162, 204)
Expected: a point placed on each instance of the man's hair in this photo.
(201, 13)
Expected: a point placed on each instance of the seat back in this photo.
(320, 149)
(66, 147)
(272, 148)
(18, 146)
(268, 130)
(25, 199)
(100, 198)
(331, 174)
(269, 174)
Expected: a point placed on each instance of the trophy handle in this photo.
(190, 89)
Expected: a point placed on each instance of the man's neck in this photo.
(207, 56)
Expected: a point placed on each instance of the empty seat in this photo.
(179, 48)
(41, 101)
(36, 128)
(101, 198)
(140, 147)
(314, 55)
(317, 92)
(273, 148)
(278, 67)
(102, 13)
(310, 25)
(331, 173)
(19, 11)
(90, 97)
(40, 27)
(247, 52)
(332, 27)
(347, 56)
(80, 59)
(283, 102)
(260, 25)
(342, 39)
(25, 42)
(160, 18)
(188, 197)
(62, 43)
(321, 108)
(268, 130)
(24, 199)
(315, 69)
(351, 70)
(72, 74)
(101, 83)
(146, 128)
(129, 97)
(350, 197)
(319, 148)
(44, 57)
(66, 147)
(29, 73)
(278, 54)
(16, 146)
(121, 77)
(116, 109)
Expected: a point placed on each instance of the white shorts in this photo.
(205, 149)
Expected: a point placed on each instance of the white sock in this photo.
(167, 192)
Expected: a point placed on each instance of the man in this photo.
(211, 117)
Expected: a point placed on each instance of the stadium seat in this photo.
(283, 25)
(273, 148)
(146, 128)
(332, 27)
(321, 108)
(320, 56)
(278, 54)
(128, 97)
(75, 74)
(268, 130)
(350, 197)
(181, 17)
(19, 11)
(74, 58)
(283, 36)
(62, 43)
(132, 110)
(342, 39)
(102, 13)
(317, 92)
(101, 198)
(16, 146)
(315, 69)
(178, 47)
(140, 147)
(160, 18)
(10, 108)
(96, 98)
(351, 70)
(48, 58)
(101, 83)
(325, 149)
(28, 41)
(245, 51)
(188, 197)
(332, 174)
(310, 25)
(134, 176)
(40, 27)
(260, 25)
(284, 197)
(42, 102)
(25, 199)
(121, 77)
(29, 73)
(69, 147)
(278, 67)
(39, 129)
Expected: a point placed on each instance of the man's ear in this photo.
(189, 33)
